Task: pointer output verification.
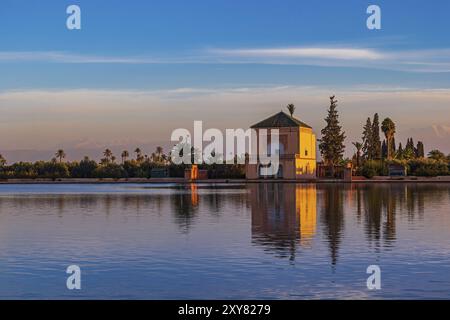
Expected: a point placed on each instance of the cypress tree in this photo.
(332, 143)
(375, 139)
(420, 153)
(367, 138)
(388, 127)
(384, 150)
(400, 151)
(409, 152)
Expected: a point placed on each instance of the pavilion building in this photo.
(297, 148)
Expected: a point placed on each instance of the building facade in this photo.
(297, 148)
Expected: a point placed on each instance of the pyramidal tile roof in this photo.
(280, 120)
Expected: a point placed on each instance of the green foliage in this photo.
(371, 139)
(375, 142)
(373, 168)
(367, 138)
(224, 171)
(110, 170)
(20, 170)
(420, 150)
(84, 169)
(428, 167)
(437, 155)
(51, 169)
(2, 161)
(384, 150)
(332, 143)
(388, 127)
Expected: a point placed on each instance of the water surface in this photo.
(230, 241)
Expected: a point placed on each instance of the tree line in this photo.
(109, 166)
(372, 157)
(372, 154)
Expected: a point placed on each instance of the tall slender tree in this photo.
(139, 156)
(384, 150)
(388, 127)
(420, 151)
(358, 145)
(2, 161)
(125, 154)
(332, 143)
(159, 153)
(410, 146)
(400, 152)
(376, 140)
(367, 138)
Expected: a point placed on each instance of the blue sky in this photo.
(181, 36)
(183, 55)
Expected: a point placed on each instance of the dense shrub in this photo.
(51, 169)
(373, 168)
(427, 167)
(83, 169)
(110, 170)
(223, 171)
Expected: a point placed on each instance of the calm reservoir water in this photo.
(258, 241)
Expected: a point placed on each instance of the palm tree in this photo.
(436, 155)
(138, 154)
(60, 154)
(2, 161)
(124, 156)
(358, 146)
(159, 153)
(388, 127)
(108, 154)
(291, 108)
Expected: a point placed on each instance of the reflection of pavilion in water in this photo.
(283, 216)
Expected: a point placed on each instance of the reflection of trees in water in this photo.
(274, 225)
(377, 201)
(196, 197)
(332, 217)
(215, 202)
(383, 202)
(84, 203)
(182, 202)
(276, 209)
(184, 208)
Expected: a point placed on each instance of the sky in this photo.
(137, 70)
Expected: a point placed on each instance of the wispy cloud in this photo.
(67, 57)
(437, 60)
(312, 52)
(430, 60)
